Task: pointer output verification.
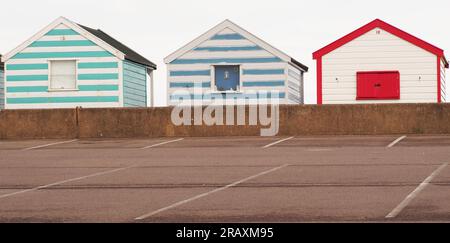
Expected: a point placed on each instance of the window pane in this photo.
(63, 75)
(227, 78)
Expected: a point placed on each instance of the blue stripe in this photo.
(43, 100)
(27, 78)
(98, 76)
(234, 36)
(62, 43)
(264, 84)
(263, 71)
(228, 48)
(227, 60)
(87, 65)
(190, 73)
(190, 85)
(62, 32)
(62, 54)
(228, 96)
(37, 66)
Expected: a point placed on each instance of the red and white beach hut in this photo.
(379, 63)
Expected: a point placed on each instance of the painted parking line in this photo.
(416, 192)
(145, 216)
(67, 181)
(48, 145)
(163, 143)
(398, 140)
(277, 142)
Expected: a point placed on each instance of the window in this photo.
(379, 85)
(227, 78)
(63, 75)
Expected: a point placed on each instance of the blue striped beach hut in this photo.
(69, 65)
(228, 62)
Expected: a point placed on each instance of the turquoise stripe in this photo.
(62, 43)
(98, 76)
(104, 87)
(263, 72)
(190, 73)
(37, 66)
(228, 96)
(85, 65)
(227, 60)
(62, 32)
(228, 37)
(26, 89)
(263, 84)
(190, 85)
(43, 100)
(27, 78)
(62, 54)
(229, 48)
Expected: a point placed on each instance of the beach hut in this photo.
(379, 63)
(68, 65)
(229, 63)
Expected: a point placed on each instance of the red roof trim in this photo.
(385, 26)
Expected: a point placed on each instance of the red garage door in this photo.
(378, 85)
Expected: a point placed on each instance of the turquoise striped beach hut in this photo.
(69, 65)
(228, 62)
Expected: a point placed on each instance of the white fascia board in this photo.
(226, 24)
(72, 25)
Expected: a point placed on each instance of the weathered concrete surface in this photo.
(27, 124)
(294, 120)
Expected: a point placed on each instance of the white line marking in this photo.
(67, 181)
(208, 193)
(396, 141)
(416, 192)
(50, 144)
(277, 142)
(163, 143)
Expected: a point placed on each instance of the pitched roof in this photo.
(129, 53)
(228, 24)
(377, 23)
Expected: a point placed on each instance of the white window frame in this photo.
(49, 61)
(213, 79)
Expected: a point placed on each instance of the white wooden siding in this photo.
(294, 85)
(443, 82)
(379, 52)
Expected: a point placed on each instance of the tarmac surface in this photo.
(227, 179)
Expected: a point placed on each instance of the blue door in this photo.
(227, 78)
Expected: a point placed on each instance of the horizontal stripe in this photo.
(263, 84)
(35, 66)
(62, 54)
(228, 48)
(43, 100)
(190, 73)
(190, 85)
(62, 43)
(227, 60)
(26, 89)
(62, 32)
(233, 36)
(228, 96)
(263, 71)
(98, 76)
(26, 77)
(98, 87)
(86, 65)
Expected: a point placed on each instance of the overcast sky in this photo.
(156, 28)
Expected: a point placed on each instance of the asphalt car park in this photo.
(392, 178)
